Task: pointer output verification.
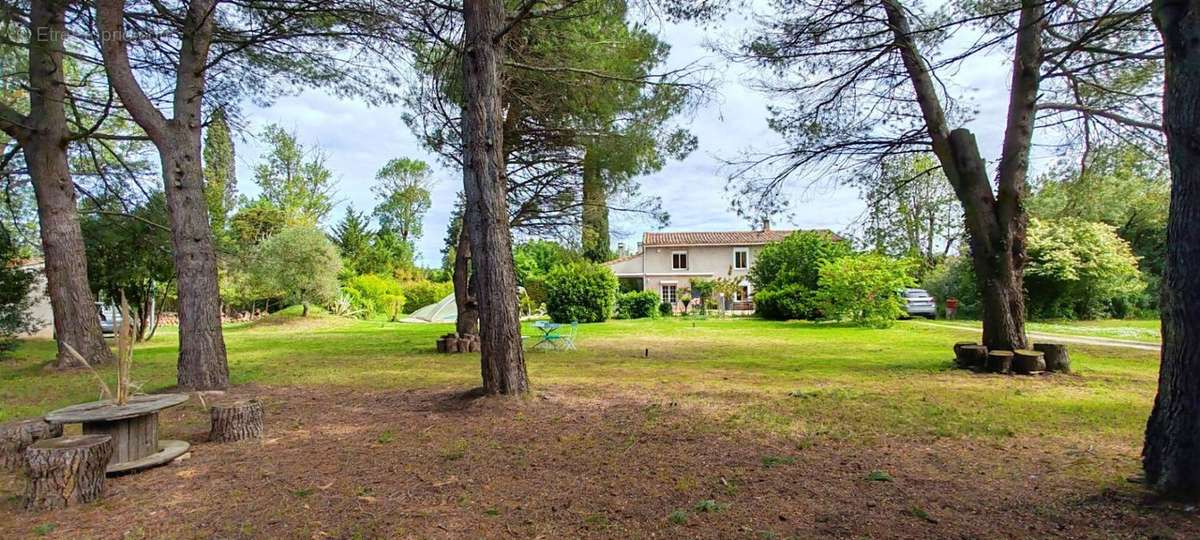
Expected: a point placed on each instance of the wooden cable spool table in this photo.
(133, 428)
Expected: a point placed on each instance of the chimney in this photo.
(766, 223)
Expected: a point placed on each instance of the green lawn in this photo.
(1142, 330)
(796, 378)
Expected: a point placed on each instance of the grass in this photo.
(801, 379)
(1141, 330)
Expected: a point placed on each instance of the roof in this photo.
(724, 238)
(629, 257)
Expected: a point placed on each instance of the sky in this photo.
(359, 139)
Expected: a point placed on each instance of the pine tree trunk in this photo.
(1171, 456)
(75, 320)
(1003, 297)
(15, 437)
(202, 363)
(595, 235)
(65, 471)
(465, 286)
(486, 210)
(995, 222)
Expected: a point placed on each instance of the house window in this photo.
(741, 258)
(668, 294)
(679, 260)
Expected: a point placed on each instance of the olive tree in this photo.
(299, 263)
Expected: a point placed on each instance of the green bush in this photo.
(580, 291)
(786, 303)
(786, 273)
(637, 305)
(422, 293)
(1079, 269)
(665, 309)
(535, 259)
(375, 295)
(954, 277)
(863, 289)
(796, 260)
(15, 301)
(535, 289)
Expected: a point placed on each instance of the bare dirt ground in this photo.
(442, 464)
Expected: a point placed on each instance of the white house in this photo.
(39, 308)
(667, 262)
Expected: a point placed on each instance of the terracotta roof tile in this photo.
(726, 238)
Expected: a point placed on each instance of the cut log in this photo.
(1026, 361)
(441, 344)
(999, 361)
(452, 344)
(236, 421)
(970, 355)
(1056, 356)
(65, 471)
(15, 437)
(962, 344)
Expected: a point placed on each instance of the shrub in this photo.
(788, 302)
(376, 294)
(535, 288)
(535, 259)
(419, 294)
(580, 291)
(15, 302)
(665, 309)
(637, 305)
(786, 273)
(863, 288)
(954, 277)
(796, 260)
(1079, 269)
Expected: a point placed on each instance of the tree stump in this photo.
(66, 470)
(469, 343)
(441, 344)
(236, 421)
(1056, 356)
(15, 437)
(1026, 361)
(971, 356)
(999, 361)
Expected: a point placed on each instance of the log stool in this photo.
(64, 471)
(1056, 356)
(15, 437)
(999, 361)
(236, 421)
(970, 355)
(458, 343)
(1026, 361)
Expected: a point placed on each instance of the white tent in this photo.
(443, 311)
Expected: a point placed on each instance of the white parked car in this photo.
(918, 303)
(110, 317)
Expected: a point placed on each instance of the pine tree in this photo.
(353, 237)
